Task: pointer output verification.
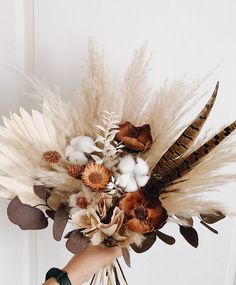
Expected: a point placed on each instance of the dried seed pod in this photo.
(52, 156)
(75, 170)
(82, 202)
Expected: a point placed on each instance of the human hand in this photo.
(85, 264)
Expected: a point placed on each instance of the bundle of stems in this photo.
(111, 274)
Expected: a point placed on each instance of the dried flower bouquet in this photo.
(117, 163)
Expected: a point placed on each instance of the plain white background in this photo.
(48, 38)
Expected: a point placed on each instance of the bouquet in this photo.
(118, 163)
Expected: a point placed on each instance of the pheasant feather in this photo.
(175, 154)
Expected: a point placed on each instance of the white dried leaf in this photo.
(112, 152)
(97, 159)
(101, 128)
(111, 137)
(100, 139)
(97, 149)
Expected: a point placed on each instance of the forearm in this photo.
(83, 265)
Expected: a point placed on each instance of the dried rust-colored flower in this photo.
(135, 138)
(96, 176)
(52, 156)
(75, 170)
(82, 202)
(142, 215)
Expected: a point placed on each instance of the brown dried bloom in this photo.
(52, 156)
(134, 138)
(96, 176)
(141, 214)
(74, 170)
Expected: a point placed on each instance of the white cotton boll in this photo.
(85, 144)
(141, 167)
(127, 164)
(132, 185)
(142, 180)
(123, 180)
(78, 157)
(74, 142)
(69, 150)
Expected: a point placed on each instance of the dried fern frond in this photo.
(108, 149)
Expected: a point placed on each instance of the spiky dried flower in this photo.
(52, 156)
(142, 215)
(74, 170)
(96, 176)
(135, 138)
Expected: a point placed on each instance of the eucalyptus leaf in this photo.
(165, 238)
(42, 191)
(190, 235)
(126, 256)
(212, 218)
(146, 244)
(25, 216)
(76, 241)
(209, 227)
(60, 221)
(51, 213)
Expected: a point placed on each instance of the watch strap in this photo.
(61, 276)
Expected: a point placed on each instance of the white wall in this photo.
(17, 258)
(186, 37)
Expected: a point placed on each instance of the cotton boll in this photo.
(127, 164)
(141, 167)
(69, 150)
(132, 185)
(74, 142)
(78, 157)
(85, 144)
(123, 180)
(142, 180)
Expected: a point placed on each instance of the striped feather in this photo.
(195, 157)
(174, 156)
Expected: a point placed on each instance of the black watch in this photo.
(61, 276)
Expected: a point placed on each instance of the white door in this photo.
(49, 38)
